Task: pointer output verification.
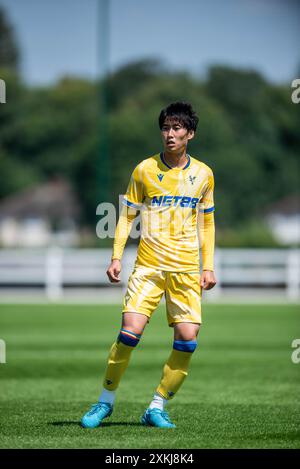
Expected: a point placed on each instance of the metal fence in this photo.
(56, 274)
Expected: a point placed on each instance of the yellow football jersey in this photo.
(170, 201)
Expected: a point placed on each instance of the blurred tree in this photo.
(129, 79)
(9, 54)
(248, 134)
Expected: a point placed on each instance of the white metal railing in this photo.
(56, 269)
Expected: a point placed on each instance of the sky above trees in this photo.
(64, 37)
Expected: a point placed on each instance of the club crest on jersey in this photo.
(160, 176)
(192, 179)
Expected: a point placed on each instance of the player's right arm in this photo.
(121, 235)
(132, 202)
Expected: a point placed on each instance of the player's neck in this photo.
(176, 160)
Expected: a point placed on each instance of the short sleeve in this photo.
(135, 191)
(208, 195)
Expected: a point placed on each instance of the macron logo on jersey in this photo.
(176, 200)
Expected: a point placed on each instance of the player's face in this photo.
(175, 137)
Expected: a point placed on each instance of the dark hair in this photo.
(180, 112)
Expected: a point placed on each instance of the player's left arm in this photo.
(207, 236)
(208, 279)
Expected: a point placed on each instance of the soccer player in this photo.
(174, 193)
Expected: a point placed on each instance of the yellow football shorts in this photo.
(182, 290)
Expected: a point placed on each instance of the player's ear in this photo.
(191, 134)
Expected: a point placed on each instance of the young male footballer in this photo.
(174, 193)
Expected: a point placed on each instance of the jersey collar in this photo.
(170, 167)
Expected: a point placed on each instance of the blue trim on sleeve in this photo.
(130, 204)
(207, 210)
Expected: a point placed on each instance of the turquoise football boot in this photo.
(96, 414)
(157, 418)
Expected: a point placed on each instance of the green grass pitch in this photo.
(242, 390)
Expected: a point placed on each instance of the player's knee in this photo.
(185, 345)
(186, 332)
(128, 337)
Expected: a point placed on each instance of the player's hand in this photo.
(207, 280)
(113, 271)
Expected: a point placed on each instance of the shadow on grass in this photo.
(105, 424)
